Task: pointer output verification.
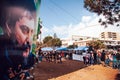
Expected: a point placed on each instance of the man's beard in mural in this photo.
(17, 53)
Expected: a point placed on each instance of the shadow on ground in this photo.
(117, 77)
(46, 70)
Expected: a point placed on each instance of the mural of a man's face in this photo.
(24, 30)
(17, 21)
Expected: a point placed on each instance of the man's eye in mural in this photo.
(25, 29)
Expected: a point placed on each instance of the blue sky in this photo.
(61, 12)
(66, 18)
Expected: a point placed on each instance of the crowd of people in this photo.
(53, 56)
(104, 57)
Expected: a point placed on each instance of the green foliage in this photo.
(56, 42)
(96, 44)
(110, 9)
(72, 46)
(52, 42)
(47, 39)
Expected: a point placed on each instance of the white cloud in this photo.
(46, 32)
(86, 18)
(60, 29)
(88, 26)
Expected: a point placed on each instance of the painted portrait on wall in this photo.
(17, 23)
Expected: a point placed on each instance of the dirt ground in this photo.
(74, 70)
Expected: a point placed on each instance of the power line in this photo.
(54, 12)
(64, 10)
(90, 26)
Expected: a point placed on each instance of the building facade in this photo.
(110, 36)
(110, 39)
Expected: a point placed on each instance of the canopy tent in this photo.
(62, 49)
(81, 48)
(46, 49)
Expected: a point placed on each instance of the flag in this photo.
(39, 27)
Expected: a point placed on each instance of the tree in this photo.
(110, 9)
(47, 40)
(96, 44)
(72, 46)
(52, 42)
(56, 42)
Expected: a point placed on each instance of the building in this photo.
(110, 36)
(110, 39)
(77, 40)
(82, 40)
(66, 42)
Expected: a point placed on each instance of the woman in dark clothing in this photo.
(103, 56)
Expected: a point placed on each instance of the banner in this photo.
(77, 57)
(17, 25)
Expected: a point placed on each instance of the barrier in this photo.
(77, 57)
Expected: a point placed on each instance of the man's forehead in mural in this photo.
(17, 19)
(17, 13)
(25, 4)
